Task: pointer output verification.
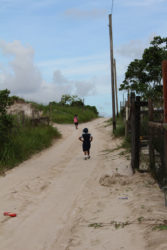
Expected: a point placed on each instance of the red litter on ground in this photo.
(9, 214)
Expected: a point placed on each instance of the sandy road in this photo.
(43, 192)
(57, 196)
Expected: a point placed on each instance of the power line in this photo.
(112, 6)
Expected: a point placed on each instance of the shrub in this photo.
(26, 141)
(6, 121)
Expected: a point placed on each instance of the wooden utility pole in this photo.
(112, 72)
(115, 80)
(164, 75)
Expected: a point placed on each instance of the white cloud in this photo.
(88, 69)
(127, 52)
(132, 49)
(65, 86)
(79, 66)
(83, 88)
(59, 78)
(22, 75)
(23, 78)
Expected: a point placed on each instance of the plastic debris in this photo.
(9, 214)
(123, 198)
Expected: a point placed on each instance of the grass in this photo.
(119, 132)
(64, 114)
(126, 144)
(140, 220)
(24, 142)
(96, 225)
(116, 224)
(161, 226)
(108, 151)
(120, 127)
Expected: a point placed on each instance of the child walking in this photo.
(76, 121)
(86, 138)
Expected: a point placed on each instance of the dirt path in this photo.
(61, 205)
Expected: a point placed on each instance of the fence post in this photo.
(151, 134)
(164, 75)
(135, 131)
(150, 110)
(132, 124)
(127, 112)
(126, 119)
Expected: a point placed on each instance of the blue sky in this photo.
(54, 47)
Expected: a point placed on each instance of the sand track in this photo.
(61, 205)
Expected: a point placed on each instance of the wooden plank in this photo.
(155, 124)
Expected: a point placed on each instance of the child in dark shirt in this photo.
(86, 138)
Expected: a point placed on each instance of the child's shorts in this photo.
(86, 146)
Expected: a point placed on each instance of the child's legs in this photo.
(86, 149)
(86, 153)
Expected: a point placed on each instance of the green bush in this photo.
(24, 142)
(65, 114)
(6, 121)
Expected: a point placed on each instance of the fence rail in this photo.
(146, 124)
(148, 131)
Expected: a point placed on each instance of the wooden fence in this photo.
(148, 116)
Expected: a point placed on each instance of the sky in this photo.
(53, 47)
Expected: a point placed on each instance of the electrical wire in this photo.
(112, 7)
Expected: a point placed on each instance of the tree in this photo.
(144, 76)
(5, 101)
(65, 99)
(6, 121)
(72, 100)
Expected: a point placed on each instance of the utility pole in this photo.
(116, 91)
(112, 72)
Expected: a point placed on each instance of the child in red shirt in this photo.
(76, 121)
